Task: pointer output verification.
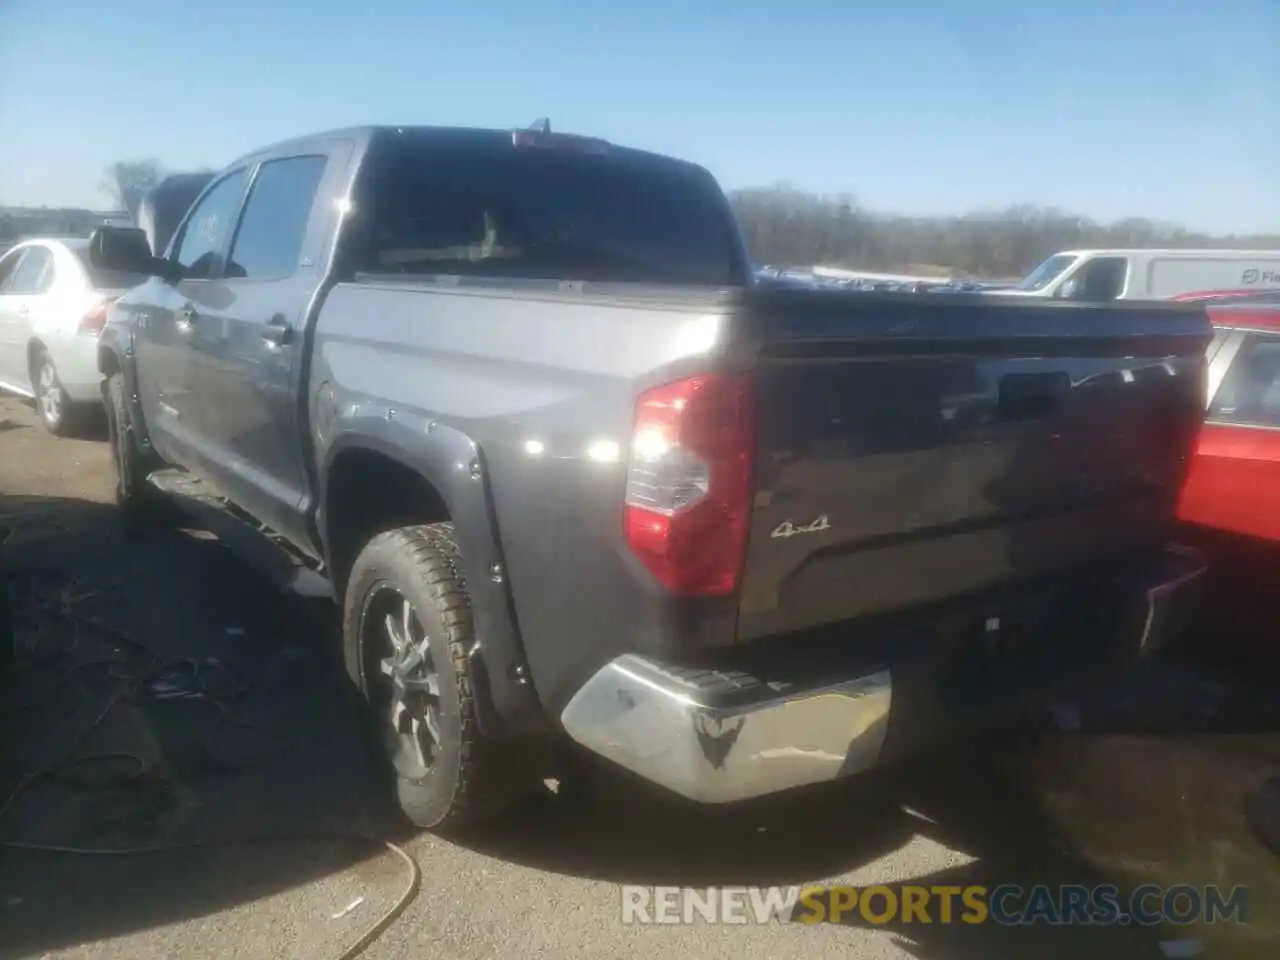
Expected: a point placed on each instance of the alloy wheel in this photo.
(49, 394)
(407, 686)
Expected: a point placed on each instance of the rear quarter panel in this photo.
(524, 400)
(55, 319)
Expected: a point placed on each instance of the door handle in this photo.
(24, 311)
(277, 333)
(186, 319)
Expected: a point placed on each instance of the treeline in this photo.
(789, 227)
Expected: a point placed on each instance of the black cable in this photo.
(135, 686)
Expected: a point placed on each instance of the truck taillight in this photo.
(96, 318)
(688, 497)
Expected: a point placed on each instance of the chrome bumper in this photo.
(648, 721)
(671, 728)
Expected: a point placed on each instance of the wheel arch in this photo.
(432, 476)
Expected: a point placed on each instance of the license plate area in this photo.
(1020, 642)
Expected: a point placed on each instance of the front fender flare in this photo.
(115, 346)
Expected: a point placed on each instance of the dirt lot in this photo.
(263, 791)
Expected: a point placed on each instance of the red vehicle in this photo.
(1234, 482)
(1230, 502)
(1241, 295)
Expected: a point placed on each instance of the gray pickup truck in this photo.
(513, 400)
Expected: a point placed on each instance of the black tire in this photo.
(139, 502)
(467, 778)
(61, 416)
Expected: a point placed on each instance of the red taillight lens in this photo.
(96, 318)
(688, 498)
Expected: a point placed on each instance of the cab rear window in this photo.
(492, 208)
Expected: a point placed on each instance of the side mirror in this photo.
(1070, 289)
(124, 250)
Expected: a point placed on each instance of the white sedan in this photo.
(53, 305)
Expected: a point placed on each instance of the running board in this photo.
(287, 569)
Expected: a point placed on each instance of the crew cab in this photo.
(513, 399)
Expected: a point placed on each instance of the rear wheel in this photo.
(60, 416)
(407, 632)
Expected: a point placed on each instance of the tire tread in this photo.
(485, 780)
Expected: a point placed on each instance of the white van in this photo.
(1147, 274)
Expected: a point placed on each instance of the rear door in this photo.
(250, 349)
(1234, 482)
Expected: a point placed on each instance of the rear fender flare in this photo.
(453, 464)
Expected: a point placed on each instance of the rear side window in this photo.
(269, 241)
(207, 232)
(1250, 392)
(34, 274)
(485, 207)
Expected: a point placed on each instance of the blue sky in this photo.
(1108, 108)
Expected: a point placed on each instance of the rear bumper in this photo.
(720, 735)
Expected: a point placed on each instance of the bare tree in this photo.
(789, 227)
(127, 180)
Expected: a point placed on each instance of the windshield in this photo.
(106, 279)
(483, 207)
(1047, 272)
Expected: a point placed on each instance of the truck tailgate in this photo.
(915, 449)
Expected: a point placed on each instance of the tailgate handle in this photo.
(1032, 396)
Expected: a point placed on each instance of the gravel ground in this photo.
(266, 775)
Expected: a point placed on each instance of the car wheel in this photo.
(58, 414)
(407, 631)
(137, 498)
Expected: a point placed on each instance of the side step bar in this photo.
(270, 558)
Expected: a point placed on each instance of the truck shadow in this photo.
(896, 826)
(231, 728)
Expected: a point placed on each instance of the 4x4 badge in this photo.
(788, 529)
